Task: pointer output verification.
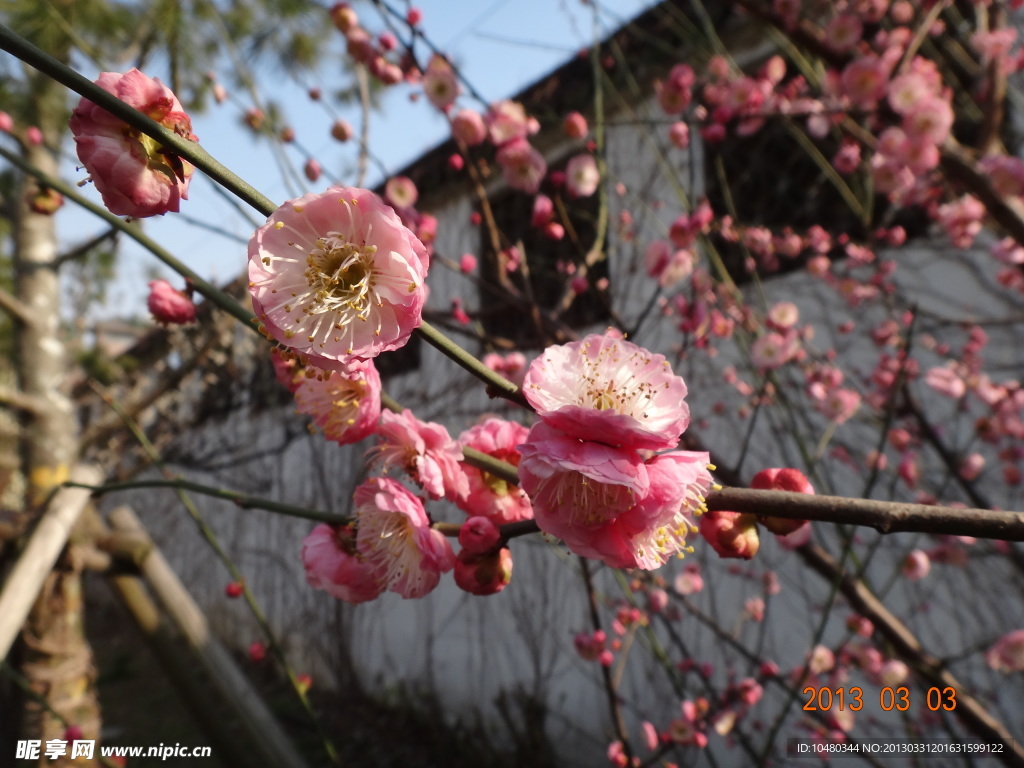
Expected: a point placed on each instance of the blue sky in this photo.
(501, 46)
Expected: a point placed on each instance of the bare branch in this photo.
(21, 401)
(883, 516)
(14, 307)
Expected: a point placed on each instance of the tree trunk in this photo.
(55, 657)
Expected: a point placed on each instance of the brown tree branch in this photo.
(21, 401)
(883, 516)
(14, 307)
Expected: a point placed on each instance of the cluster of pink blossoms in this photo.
(391, 544)
(605, 405)
(392, 547)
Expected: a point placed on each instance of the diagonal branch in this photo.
(14, 307)
(21, 401)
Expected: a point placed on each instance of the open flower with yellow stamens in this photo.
(337, 275)
(609, 390)
(344, 404)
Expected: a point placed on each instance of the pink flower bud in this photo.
(467, 264)
(679, 135)
(479, 535)
(730, 534)
(257, 652)
(575, 125)
(483, 574)
(341, 130)
(6, 122)
(344, 18)
(312, 169)
(414, 16)
(468, 126)
(170, 306)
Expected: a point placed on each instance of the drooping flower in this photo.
(607, 389)
(334, 565)
(168, 305)
(488, 495)
(134, 173)
(344, 403)
(395, 538)
(336, 275)
(423, 450)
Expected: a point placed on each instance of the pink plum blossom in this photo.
(916, 565)
(689, 581)
(337, 274)
(772, 350)
(679, 135)
(133, 172)
(440, 83)
(423, 450)
(688, 729)
(607, 503)
(608, 389)
(507, 120)
(1007, 653)
(467, 264)
(522, 165)
(469, 127)
(395, 538)
(582, 177)
(401, 192)
(168, 305)
(334, 565)
(577, 487)
(344, 403)
(946, 381)
(820, 660)
(488, 495)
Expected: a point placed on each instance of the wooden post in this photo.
(229, 710)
